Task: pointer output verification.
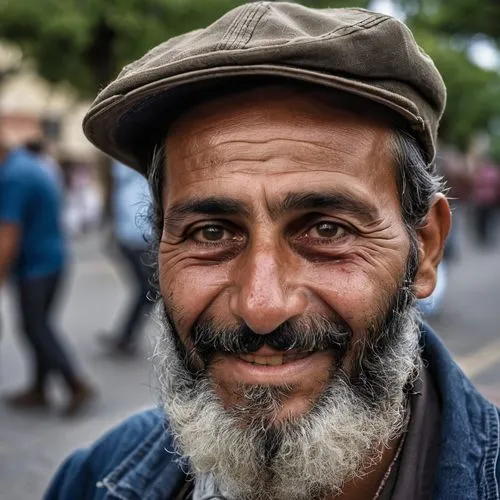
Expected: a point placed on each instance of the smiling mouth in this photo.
(274, 360)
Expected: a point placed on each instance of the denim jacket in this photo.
(135, 461)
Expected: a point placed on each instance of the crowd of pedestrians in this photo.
(37, 221)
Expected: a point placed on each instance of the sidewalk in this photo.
(32, 446)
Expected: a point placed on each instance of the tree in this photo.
(458, 17)
(473, 100)
(86, 42)
(447, 30)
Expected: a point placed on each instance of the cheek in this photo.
(189, 290)
(359, 295)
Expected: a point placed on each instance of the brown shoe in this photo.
(31, 399)
(81, 400)
(114, 346)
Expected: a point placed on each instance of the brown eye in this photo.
(328, 230)
(211, 233)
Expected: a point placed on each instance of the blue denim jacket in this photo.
(135, 461)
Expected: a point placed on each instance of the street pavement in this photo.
(32, 446)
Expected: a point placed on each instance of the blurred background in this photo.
(55, 55)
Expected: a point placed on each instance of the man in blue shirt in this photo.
(32, 249)
(131, 200)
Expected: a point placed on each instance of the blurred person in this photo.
(485, 195)
(32, 248)
(38, 148)
(299, 217)
(453, 166)
(83, 201)
(453, 169)
(431, 307)
(131, 200)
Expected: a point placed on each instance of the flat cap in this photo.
(371, 55)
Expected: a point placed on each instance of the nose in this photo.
(263, 296)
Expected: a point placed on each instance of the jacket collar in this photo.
(468, 455)
(470, 429)
(152, 472)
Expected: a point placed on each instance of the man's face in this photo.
(281, 211)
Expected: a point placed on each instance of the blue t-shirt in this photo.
(32, 199)
(131, 201)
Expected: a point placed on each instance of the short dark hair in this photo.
(36, 146)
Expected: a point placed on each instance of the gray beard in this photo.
(310, 457)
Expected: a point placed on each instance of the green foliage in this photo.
(457, 17)
(473, 100)
(86, 42)
(446, 30)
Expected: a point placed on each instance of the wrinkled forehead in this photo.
(275, 101)
(307, 128)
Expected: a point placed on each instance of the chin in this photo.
(271, 393)
(269, 406)
(294, 410)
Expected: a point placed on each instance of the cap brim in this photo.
(128, 126)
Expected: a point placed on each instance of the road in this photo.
(31, 446)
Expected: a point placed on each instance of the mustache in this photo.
(305, 334)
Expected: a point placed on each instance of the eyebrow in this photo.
(214, 205)
(293, 201)
(336, 201)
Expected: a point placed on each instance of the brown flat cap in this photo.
(364, 53)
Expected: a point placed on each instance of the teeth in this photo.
(263, 360)
(275, 360)
(247, 357)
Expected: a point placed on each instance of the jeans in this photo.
(141, 271)
(485, 224)
(37, 298)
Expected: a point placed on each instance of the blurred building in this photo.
(29, 107)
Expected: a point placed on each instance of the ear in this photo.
(431, 239)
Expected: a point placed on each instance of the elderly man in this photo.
(290, 152)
